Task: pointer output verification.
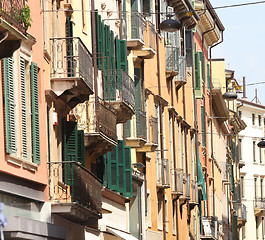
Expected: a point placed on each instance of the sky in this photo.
(243, 47)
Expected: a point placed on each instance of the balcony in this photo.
(137, 23)
(75, 193)
(12, 26)
(71, 73)
(148, 50)
(210, 228)
(241, 212)
(181, 80)
(172, 62)
(163, 173)
(119, 92)
(141, 132)
(194, 194)
(259, 205)
(186, 188)
(177, 181)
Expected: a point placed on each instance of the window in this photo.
(240, 149)
(254, 151)
(259, 120)
(255, 188)
(174, 218)
(253, 119)
(242, 186)
(159, 213)
(240, 114)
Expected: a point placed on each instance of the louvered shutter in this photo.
(128, 128)
(107, 48)
(69, 47)
(112, 50)
(197, 72)
(203, 126)
(121, 167)
(121, 54)
(99, 40)
(128, 172)
(113, 169)
(35, 113)
(81, 147)
(201, 64)
(138, 88)
(189, 50)
(9, 106)
(70, 141)
(23, 109)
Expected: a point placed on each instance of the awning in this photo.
(121, 234)
(201, 179)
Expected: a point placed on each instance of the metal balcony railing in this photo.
(186, 187)
(163, 178)
(259, 203)
(210, 227)
(194, 192)
(71, 59)
(172, 58)
(119, 86)
(241, 211)
(150, 36)
(12, 11)
(137, 25)
(153, 121)
(177, 181)
(141, 124)
(70, 182)
(182, 69)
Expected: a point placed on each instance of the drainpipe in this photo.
(157, 8)
(94, 53)
(203, 77)
(211, 111)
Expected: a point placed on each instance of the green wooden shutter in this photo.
(203, 126)
(201, 64)
(121, 54)
(99, 40)
(138, 88)
(81, 147)
(128, 172)
(121, 157)
(70, 141)
(197, 71)
(128, 128)
(23, 109)
(69, 47)
(112, 50)
(35, 113)
(113, 169)
(208, 76)
(9, 106)
(105, 171)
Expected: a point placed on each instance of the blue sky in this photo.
(244, 43)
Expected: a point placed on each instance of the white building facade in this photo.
(252, 173)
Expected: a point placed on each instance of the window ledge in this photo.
(20, 162)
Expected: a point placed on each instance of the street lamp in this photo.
(230, 95)
(261, 144)
(170, 25)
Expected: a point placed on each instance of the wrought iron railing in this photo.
(186, 187)
(119, 86)
(137, 25)
(70, 182)
(194, 192)
(210, 227)
(150, 36)
(12, 11)
(182, 69)
(153, 121)
(141, 124)
(172, 58)
(259, 203)
(177, 181)
(71, 59)
(241, 211)
(163, 178)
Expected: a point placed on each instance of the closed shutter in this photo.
(113, 169)
(9, 106)
(128, 129)
(121, 54)
(203, 126)
(197, 72)
(189, 44)
(128, 172)
(35, 113)
(23, 109)
(121, 167)
(81, 147)
(201, 64)
(107, 49)
(69, 47)
(112, 50)
(138, 88)
(208, 76)
(70, 141)
(99, 40)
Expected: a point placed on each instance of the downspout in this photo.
(203, 78)
(94, 53)
(211, 112)
(157, 8)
